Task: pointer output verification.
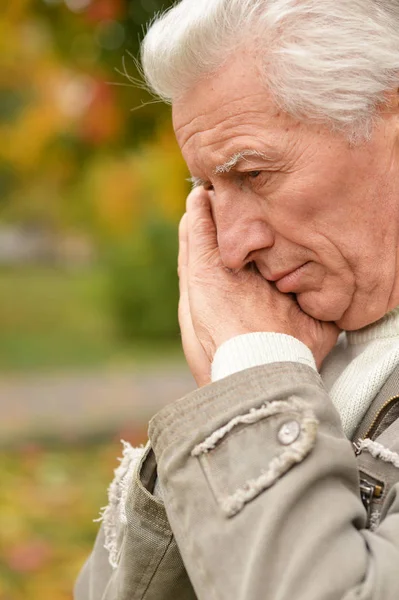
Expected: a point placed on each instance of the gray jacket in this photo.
(264, 498)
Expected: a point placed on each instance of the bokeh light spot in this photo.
(77, 5)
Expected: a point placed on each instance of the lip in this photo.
(276, 277)
(291, 281)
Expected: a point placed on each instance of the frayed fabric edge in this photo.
(279, 465)
(379, 451)
(114, 514)
(375, 519)
(253, 416)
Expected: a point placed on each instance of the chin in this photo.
(344, 312)
(323, 307)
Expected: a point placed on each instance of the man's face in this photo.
(318, 217)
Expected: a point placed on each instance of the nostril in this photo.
(251, 266)
(240, 246)
(234, 261)
(250, 258)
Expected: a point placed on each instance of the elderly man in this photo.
(287, 114)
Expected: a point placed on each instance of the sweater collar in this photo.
(386, 327)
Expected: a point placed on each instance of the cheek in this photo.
(335, 279)
(319, 215)
(312, 199)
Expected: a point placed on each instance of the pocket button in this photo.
(289, 433)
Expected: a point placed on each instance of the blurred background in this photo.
(92, 187)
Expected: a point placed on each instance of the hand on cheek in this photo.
(196, 357)
(217, 305)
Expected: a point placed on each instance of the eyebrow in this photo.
(229, 165)
(235, 159)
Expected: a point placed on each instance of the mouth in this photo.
(281, 274)
(289, 280)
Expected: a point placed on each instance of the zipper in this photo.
(380, 414)
(368, 492)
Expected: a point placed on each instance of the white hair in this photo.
(331, 61)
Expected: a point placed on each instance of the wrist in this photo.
(254, 349)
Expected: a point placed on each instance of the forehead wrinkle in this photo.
(220, 119)
(225, 105)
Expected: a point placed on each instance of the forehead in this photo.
(229, 111)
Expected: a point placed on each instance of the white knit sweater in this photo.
(353, 372)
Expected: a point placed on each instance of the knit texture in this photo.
(353, 372)
(256, 349)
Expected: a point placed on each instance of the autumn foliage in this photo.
(85, 154)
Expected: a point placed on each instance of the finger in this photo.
(185, 321)
(183, 254)
(202, 238)
(196, 357)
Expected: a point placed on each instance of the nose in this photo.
(241, 236)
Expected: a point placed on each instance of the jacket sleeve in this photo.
(262, 493)
(135, 556)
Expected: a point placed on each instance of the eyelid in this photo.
(253, 174)
(207, 185)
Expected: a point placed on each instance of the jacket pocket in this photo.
(252, 451)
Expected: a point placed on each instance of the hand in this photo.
(217, 305)
(198, 361)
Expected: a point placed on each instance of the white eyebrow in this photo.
(227, 166)
(235, 159)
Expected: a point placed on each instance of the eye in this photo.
(208, 187)
(254, 174)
